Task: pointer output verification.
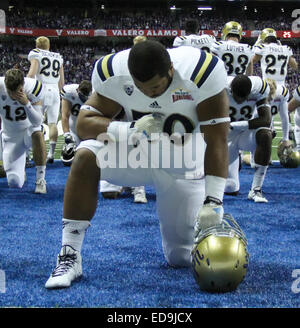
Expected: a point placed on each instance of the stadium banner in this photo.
(130, 32)
(48, 32)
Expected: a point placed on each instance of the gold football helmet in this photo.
(232, 28)
(220, 257)
(267, 32)
(288, 156)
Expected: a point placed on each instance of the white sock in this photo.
(259, 176)
(73, 233)
(52, 146)
(40, 171)
(297, 137)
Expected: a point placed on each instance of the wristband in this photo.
(241, 125)
(121, 130)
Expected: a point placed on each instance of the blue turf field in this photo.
(122, 257)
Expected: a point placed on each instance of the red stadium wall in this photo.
(124, 32)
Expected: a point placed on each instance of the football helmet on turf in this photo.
(220, 257)
(68, 153)
(267, 32)
(232, 28)
(288, 156)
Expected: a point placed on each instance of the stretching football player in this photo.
(47, 67)
(187, 86)
(250, 116)
(236, 55)
(192, 37)
(22, 118)
(294, 106)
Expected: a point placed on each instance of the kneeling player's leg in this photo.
(262, 156)
(178, 202)
(14, 158)
(297, 128)
(80, 203)
(39, 158)
(232, 182)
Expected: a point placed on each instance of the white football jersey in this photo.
(274, 60)
(49, 65)
(69, 93)
(204, 42)
(236, 56)
(198, 75)
(296, 93)
(247, 110)
(13, 114)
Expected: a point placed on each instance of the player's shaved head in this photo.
(148, 59)
(241, 86)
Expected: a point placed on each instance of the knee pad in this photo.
(14, 180)
(179, 257)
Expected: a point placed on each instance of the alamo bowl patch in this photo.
(181, 94)
(128, 88)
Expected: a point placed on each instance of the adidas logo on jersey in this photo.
(154, 105)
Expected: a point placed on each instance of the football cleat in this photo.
(50, 159)
(111, 194)
(2, 172)
(68, 268)
(40, 186)
(266, 33)
(232, 28)
(68, 153)
(288, 156)
(257, 196)
(139, 195)
(220, 257)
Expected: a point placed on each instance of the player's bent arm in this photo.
(215, 135)
(293, 104)
(34, 66)
(65, 115)
(34, 113)
(256, 58)
(61, 81)
(293, 63)
(97, 116)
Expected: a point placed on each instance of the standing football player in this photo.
(274, 58)
(236, 55)
(22, 118)
(250, 116)
(192, 37)
(188, 87)
(47, 67)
